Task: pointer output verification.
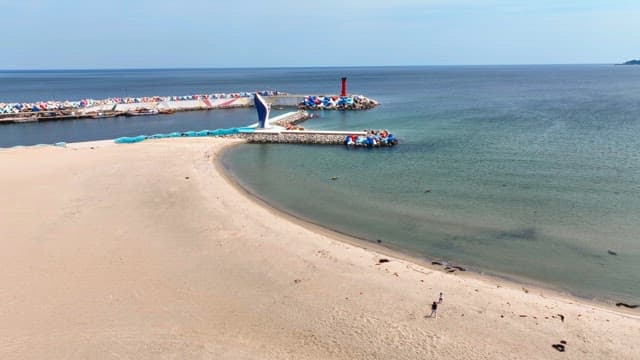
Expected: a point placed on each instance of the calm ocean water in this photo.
(533, 171)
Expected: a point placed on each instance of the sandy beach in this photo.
(148, 251)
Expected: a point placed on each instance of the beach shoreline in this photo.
(150, 250)
(368, 244)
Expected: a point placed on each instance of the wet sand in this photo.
(148, 251)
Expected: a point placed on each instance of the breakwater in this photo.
(255, 136)
(284, 132)
(111, 107)
(90, 104)
(158, 105)
(328, 102)
(300, 136)
(290, 119)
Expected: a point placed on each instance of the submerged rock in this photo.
(627, 305)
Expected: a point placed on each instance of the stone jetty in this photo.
(291, 118)
(300, 136)
(111, 107)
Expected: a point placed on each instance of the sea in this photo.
(531, 173)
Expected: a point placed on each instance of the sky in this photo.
(72, 34)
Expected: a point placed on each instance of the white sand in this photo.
(112, 252)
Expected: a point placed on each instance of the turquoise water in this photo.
(533, 172)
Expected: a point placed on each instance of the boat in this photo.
(18, 119)
(141, 112)
(371, 140)
(106, 114)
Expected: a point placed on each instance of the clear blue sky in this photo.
(48, 34)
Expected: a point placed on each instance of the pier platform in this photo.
(299, 136)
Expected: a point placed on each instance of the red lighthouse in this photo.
(344, 87)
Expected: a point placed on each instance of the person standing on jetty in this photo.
(434, 309)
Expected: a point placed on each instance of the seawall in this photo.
(299, 136)
(52, 111)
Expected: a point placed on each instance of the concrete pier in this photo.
(279, 136)
(300, 136)
(290, 118)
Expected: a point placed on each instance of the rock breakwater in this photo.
(356, 102)
(298, 137)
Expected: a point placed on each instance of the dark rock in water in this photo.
(627, 305)
(559, 347)
(459, 268)
(379, 241)
(519, 234)
(427, 191)
(611, 252)
(437, 263)
(382, 261)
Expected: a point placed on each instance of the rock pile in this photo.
(356, 102)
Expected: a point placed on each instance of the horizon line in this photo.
(288, 67)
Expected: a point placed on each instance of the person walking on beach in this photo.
(434, 309)
(440, 298)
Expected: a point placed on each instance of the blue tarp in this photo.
(201, 133)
